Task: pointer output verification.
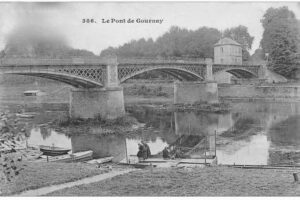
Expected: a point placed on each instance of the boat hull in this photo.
(76, 157)
(25, 115)
(53, 151)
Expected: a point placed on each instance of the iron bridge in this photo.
(90, 73)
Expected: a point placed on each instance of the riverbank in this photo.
(35, 175)
(210, 181)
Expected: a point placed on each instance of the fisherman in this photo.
(166, 153)
(141, 151)
(147, 150)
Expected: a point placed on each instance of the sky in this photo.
(66, 19)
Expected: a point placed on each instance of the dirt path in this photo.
(49, 189)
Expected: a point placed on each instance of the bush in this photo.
(145, 91)
(98, 120)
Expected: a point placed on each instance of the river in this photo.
(267, 133)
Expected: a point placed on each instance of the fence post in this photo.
(215, 143)
(295, 177)
(205, 150)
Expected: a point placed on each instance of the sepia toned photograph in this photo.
(150, 99)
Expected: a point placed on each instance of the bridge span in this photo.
(96, 82)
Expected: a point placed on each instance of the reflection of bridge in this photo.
(104, 76)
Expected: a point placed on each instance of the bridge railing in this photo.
(70, 61)
(157, 61)
(146, 60)
(41, 61)
(232, 65)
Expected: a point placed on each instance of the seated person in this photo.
(166, 153)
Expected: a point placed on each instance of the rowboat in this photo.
(53, 151)
(24, 115)
(74, 157)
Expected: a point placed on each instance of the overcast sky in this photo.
(66, 18)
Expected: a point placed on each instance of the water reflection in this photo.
(54, 138)
(253, 151)
(285, 132)
(102, 146)
(258, 133)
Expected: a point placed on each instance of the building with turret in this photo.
(227, 51)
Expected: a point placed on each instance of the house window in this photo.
(222, 49)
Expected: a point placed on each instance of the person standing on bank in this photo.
(141, 153)
(166, 153)
(146, 149)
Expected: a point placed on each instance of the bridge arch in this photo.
(238, 72)
(178, 73)
(73, 80)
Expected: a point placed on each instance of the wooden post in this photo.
(205, 150)
(126, 151)
(295, 177)
(215, 143)
(151, 167)
(171, 122)
(47, 159)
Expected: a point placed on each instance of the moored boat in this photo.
(24, 115)
(53, 151)
(74, 157)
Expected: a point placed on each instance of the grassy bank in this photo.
(36, 175)
(120, 125)
(213, 181)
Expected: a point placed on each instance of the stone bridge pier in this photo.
(106, 102)
(201, 91)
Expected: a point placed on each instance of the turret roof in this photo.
(227, 41)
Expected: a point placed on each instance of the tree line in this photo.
(181, 42)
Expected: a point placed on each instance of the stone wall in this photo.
(193, 92)
(252, 91)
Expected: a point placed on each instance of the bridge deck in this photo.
(93, 72)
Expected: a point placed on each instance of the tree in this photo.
(258, 56)
(280, 40)
(173, 42)
(241, 35)
(108, 51)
